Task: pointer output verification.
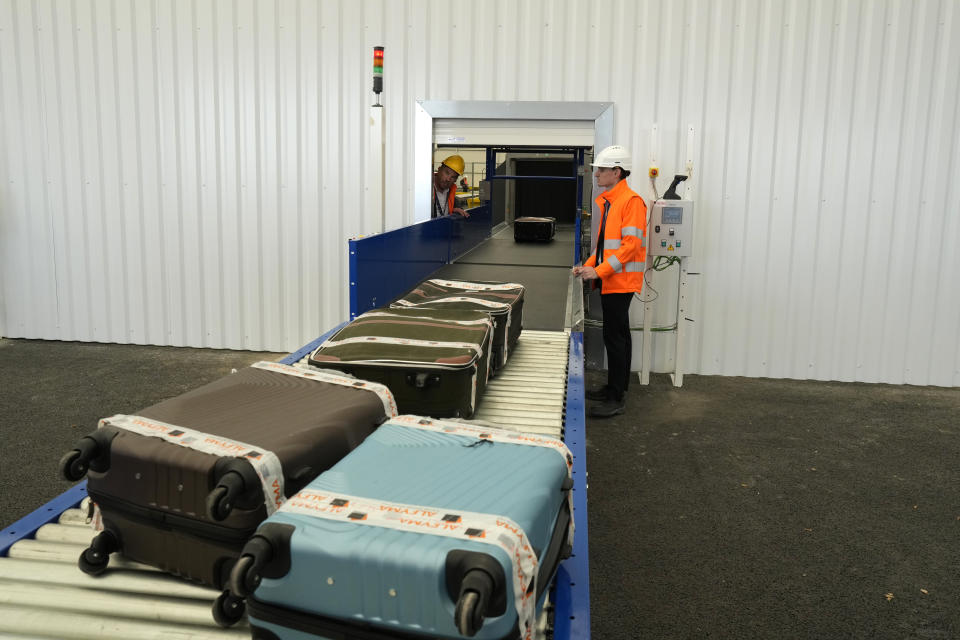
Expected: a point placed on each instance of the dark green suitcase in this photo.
(502, 300)
(435, 361)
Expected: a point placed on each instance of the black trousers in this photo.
(616, 338)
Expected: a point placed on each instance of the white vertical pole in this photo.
(677, 376)
(647, 307)
(682, 292)
(374, 197)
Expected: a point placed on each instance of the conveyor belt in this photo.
(528, 394)
(501, 249)
(43, 594)
(543, 268)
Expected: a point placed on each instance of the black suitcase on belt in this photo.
(531, 229)
(184, 483)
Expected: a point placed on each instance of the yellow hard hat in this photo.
(455, 163)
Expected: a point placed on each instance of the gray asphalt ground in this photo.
(53, 393)
(730, 508)
(756, 508)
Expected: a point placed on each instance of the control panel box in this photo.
(671, 228)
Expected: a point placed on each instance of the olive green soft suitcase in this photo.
(502, 300)
(435, 361)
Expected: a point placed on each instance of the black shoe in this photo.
(608, 408)
(598, 393)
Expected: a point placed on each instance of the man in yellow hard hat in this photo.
(445, 188)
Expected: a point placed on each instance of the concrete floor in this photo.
(53, 393)
(731, 508)
(755, 508)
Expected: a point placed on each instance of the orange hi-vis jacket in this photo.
(451, 198)
(624, 240)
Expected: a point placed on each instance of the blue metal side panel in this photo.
(572, 594)
(353, 274)
(467, 233)
(387, 265)
(27, 526)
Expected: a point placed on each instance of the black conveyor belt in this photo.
(543, 268)
(502, 249)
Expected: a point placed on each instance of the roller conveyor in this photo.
(43, 594)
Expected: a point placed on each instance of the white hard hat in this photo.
(613, 156)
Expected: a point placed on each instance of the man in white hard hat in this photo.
(616, 267)
(445, 187)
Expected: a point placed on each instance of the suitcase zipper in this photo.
(153, 516)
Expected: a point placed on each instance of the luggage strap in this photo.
(490, 304)
(477, 286)
(480, 301)
(485, 432)
(313, 373)
(478, 349)
(384, 314)
(265, 463)
(489, 433)
(491, 529)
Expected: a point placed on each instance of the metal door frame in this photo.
(427, 110)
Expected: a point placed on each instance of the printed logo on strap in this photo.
(321, 375)
(484, 528)
(476, 286)
(265, 463)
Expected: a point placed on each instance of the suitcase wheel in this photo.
(72, 466)
(93, 451)
(228, 609)
(237, 482)
(94, 559)
(467, 614)
(218, 503)
(245, 576)
(476, 582)
(266, 555)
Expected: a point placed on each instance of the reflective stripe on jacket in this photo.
(624, 240)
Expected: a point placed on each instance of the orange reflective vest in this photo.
(451, 197)
(624, 240)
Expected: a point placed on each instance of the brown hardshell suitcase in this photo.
(182, 484)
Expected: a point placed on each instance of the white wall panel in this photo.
(188, 172)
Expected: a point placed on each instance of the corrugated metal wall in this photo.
(187, 172)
